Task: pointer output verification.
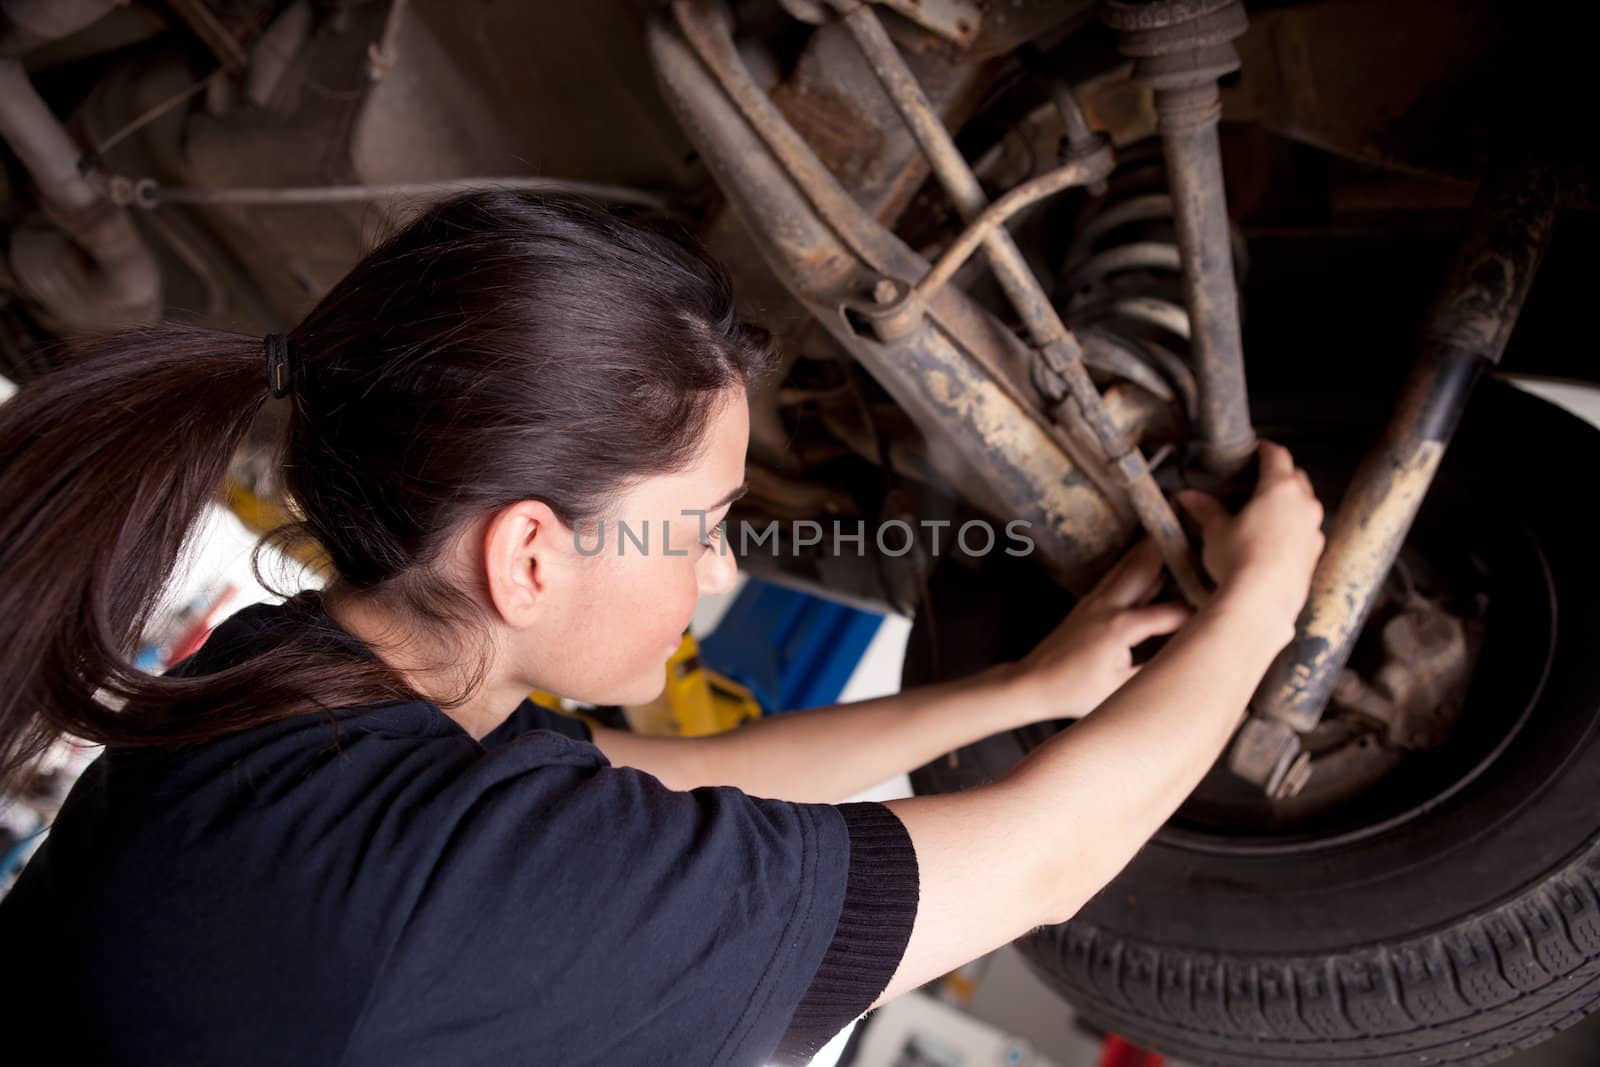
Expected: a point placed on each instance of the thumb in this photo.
(1136, 625)
(1205, 508)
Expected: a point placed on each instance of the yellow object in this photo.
(696, 701)
(546, 700)
(262, 517)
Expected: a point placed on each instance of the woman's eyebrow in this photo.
(730, 497)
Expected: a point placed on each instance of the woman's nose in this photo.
(718, 571)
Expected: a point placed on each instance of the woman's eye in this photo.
(712, 536)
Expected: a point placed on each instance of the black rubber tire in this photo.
(1459, 935)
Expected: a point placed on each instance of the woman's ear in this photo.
(520, 548)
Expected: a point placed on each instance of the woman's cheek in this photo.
(687, 595)
(662, 597)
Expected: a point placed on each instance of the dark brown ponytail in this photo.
(503, 346)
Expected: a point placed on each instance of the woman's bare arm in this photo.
(1032, 848)
(824, 755)
(828, 754)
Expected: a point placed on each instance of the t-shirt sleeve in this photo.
(592, 914)
(875, 920)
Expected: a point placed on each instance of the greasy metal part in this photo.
(980, 28)
(1141, 255)
(148, 194)
(830, 97)
(1012, 454)
(814, 12)
(1134, 209)
(1009, 24)
(820, 238)
(1465, 333)
(1270, 754)
(1181, 47)
(30, 23)
(91, 160)
(1408, 699)
(91, 271)
(1419, 689)
(275, 50)
(1119, 285)
(1171, 382)
(1059, 347)
(1075, 172)
(214, 32)
(955, 20)
(980, 425)
(1073, 120)
(1082, 140)
(381, 54)
(42, 143)
(858, 240)
(1108, 353)
(1140, 413)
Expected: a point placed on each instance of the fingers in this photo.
(1284, 470)
(1158, 580)
(1139, 624)
(1276, 462)
(1134, 577)
(1205, 508)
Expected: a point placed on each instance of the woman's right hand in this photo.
(1272, 546)
(1001, 858)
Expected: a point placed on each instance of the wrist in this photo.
(1013, 692)
(1265, 608)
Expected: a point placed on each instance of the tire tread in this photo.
(1472, 993)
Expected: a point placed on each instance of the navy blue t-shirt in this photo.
(374, 886)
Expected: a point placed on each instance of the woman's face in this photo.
(622, 594)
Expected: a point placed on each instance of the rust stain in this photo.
(1075, 509)
(1361, 549)
(844, 139)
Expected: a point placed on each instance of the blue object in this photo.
(792, 650)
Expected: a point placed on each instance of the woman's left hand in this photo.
(1090, 654)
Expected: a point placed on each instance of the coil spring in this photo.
(1120, 287)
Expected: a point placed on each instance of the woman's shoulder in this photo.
(255, 627)
(340, 748)
(265, 626)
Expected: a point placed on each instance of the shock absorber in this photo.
(1180, 48)
(1121, 283)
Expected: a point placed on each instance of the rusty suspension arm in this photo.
(961, 377)
(1060, 349)
(1466, 334)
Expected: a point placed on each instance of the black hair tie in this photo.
(279, 381)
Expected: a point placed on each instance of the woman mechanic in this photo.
(338, 834)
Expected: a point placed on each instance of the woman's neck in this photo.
(436, 669)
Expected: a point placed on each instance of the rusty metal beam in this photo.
(1060, 349)
(1466, 333)
(1181, 48)
(828, 251)
(93, 271)
(1080, 171)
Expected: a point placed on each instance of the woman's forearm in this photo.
(825, 755)
(1035, 845)
(1115, 777)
